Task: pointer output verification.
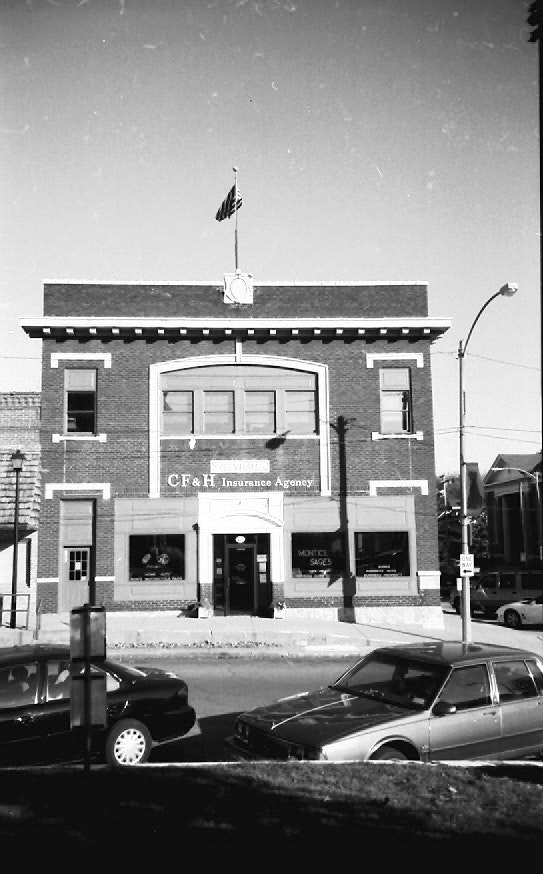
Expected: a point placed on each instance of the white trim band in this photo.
(421, 484)
(105, 488)
(104, 357)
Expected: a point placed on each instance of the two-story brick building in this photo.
(239, 444)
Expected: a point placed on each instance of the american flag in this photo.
(230, 204)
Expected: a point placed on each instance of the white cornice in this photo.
(110, 322)
(280, 283)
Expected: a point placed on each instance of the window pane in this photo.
(157, 556)
(382, 553)
(19, 685)
(514, 681)
(218, 412)
(177, 415)
(395, 403)
(300, 412)
(58, 680)
(537, 675)
(467, 687)
(80, 412)
(80, 380)
(317, 555)
(394, 377)
(259, 412)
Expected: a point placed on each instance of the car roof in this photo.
(454, 652)
(32, 652)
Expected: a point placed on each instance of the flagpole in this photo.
(235, 203)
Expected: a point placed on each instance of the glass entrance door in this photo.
(240, 578)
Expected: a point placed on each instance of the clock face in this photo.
(238, 289)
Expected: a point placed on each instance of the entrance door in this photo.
(240, 579)
(74, 588)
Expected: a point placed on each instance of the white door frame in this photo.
(243, 513)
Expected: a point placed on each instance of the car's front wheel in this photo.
(512, 619)
(128, 743)
(390, 754)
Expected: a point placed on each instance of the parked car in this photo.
(490, 591)
(422, 701)
(144, 707)
(519, 613)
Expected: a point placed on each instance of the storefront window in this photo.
(317, 555)
(382, 553)
(157, 556)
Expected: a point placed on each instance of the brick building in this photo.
(239, 445)
(19, 431)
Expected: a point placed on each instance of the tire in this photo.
(388, 753)
(512, 619)
(128, 743)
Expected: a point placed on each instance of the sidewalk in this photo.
(251, 636)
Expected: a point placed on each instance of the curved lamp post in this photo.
(17, 460)
(507, 290)
(535, 476)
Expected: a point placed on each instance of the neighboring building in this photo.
(19, 430)
(513, 502)
(239, 445)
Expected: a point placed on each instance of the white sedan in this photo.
(519, 613)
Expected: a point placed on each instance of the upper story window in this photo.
(396, 400)
(241, 400)
(80, 401)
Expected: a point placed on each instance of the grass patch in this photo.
(392, 804)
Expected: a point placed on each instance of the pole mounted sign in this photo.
(467, 567)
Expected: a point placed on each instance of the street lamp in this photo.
(17, 463)
(535, 476)
(507, 290)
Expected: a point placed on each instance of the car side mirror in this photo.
(443, 708)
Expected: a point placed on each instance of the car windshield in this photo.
(394, 679)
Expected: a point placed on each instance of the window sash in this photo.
(218, 412)
(80, 401)
(259, 408)
(396, 408)
(177, 412)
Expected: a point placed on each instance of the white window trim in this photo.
(64, 438)
(105, 488)
(156, 370)
(371, 357)
(417, 435)
(375, 484)
(104, 357)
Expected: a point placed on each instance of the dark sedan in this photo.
(423, 701)
(144, 707)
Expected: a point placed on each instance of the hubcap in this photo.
(129, 747)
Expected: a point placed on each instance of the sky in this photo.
(375, 140)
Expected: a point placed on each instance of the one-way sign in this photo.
(467, 564)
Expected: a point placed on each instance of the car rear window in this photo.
(514, 681)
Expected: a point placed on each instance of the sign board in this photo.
(88, 629)
(467, 564)
(96, 691)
